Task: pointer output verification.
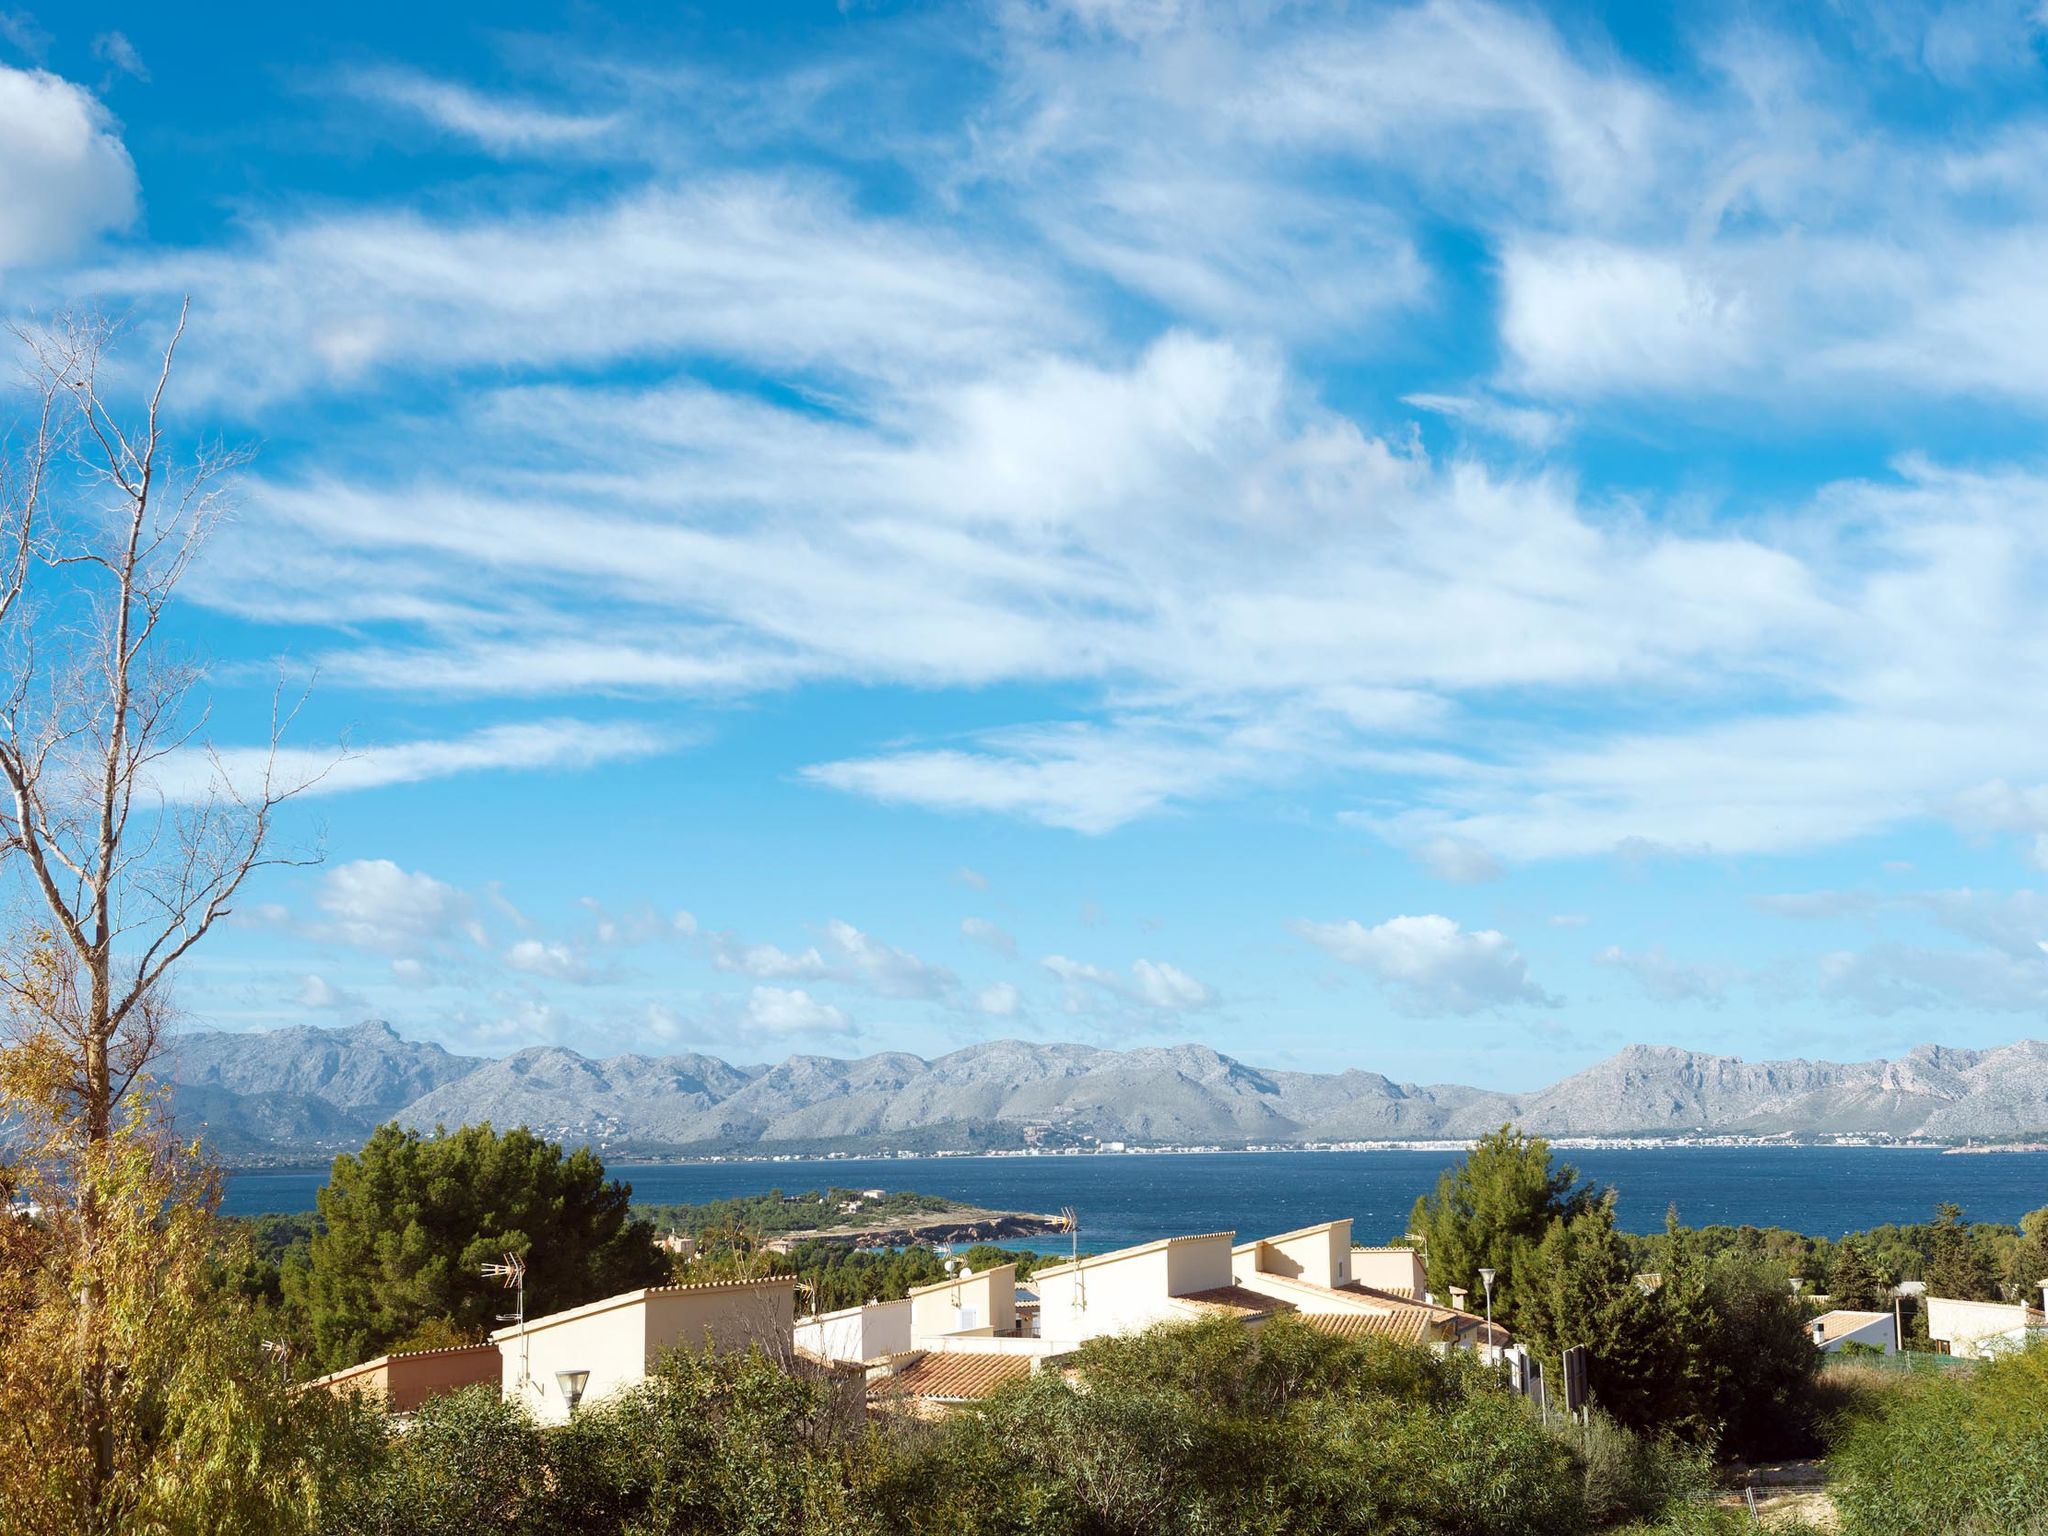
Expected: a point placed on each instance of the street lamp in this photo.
(1486, 1279)
(572, 1384)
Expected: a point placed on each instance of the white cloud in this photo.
(64, 175)
(767, 960)
(1152, 985)
(791, 1011)
(115, 51)
(883, 969)
(498, 124)
(555, 960)
(1671, 981)
(374, 904)
(1458, 860)
(999, 1000)
(1531, 426)
(527, 746)
(317, 992)
(1430, 964)
(982, 931)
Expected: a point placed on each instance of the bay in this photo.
(1125, 1199)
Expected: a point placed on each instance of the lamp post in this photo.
(572, 1384)
(1486, 1279)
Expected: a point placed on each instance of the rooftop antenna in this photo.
(511, 1271)
(1070, 1223)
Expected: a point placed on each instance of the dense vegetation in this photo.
(1712, 1347)
(1203, 1428)
(775, 1213)
(407, 1223)
(1965, 1455)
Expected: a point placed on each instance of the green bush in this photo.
(1952, 1456)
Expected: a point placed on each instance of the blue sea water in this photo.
(1824, 1191)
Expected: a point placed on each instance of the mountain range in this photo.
(272, 1095)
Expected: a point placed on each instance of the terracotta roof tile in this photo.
(950, 1377)
(1236, 1299)
(1409, 1325)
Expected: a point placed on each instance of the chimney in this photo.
(1820, 1334)
(1458, 1294)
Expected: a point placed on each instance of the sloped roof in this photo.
(1841, 1322)
(1410, 1325)
(951, 1377)
(1237, 1300)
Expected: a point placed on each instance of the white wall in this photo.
(1976, 1328)
(1878, 1333)
(858, 1333)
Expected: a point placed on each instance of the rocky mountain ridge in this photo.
(311, 1090)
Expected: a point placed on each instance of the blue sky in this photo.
(1442, 538)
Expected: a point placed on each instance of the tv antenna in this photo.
(511, 1273)
(1070, 1223)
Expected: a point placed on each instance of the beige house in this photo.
(857, 1333)
(1395, 1271)
(1320, 1255)
(1980, 1329)
(617, 1340)
(1832, 1330)
(404, 1381)
(966, 1304)
(1170, 1280)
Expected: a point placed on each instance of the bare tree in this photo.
(125, 824)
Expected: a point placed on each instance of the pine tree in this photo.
(1491, 1211)
(1961, 1270)
(1856, 1282)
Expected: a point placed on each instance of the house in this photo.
(1832, 1330)
(403, 1381)
(857, 1333)
(1320, 1255)
(966, 1303)
(616, 1342)
(1980, 1329)
(1315, 1271)
(679, 1245)
(933, 1384)
(1174, 1279)
(1397, 1271)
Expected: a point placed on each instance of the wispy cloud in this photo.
(500, 124)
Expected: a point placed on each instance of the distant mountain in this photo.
(313, 1090)
(301, 1088)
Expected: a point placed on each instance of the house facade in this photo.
(618, 1340)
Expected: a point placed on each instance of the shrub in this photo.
(1957, 1456)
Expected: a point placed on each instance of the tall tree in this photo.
(1580, 1287)
(1855, 1282)
(1491, 1211)
(129, 833)
(410, 1219)
(1960, 1270)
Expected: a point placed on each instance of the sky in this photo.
(1441, 538)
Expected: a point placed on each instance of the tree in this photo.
(1491, 1211)
(1855, 1282)
(1960, 1269)
(196, 1427)
(2029, 1263)
(410, 1219)
(130, 834)
(1582, 1289)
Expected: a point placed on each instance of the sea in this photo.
(1127, 1198)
